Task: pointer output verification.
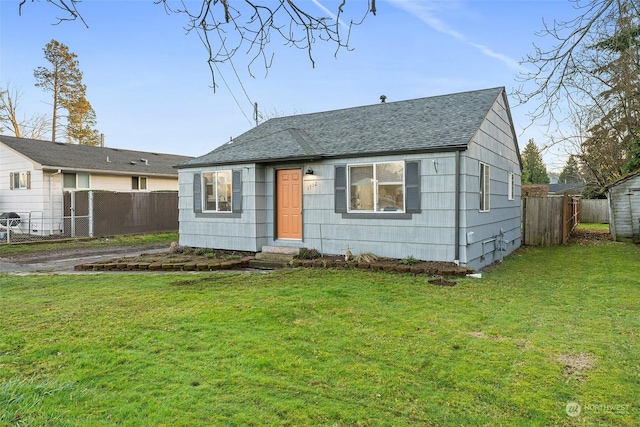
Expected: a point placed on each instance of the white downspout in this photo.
(51, 200)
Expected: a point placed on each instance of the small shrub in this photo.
(409, 260)
(308, 254)
(202, 251)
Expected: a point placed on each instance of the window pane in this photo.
(134, 182)
(390, 178)
(83, 180)
(361, 187)
(69, 180)
(143, 183)
(224, 191)
(209, 191)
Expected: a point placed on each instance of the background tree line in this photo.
(72, 114)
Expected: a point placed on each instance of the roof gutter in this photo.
(108, 172)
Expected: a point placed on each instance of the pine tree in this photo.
(533, 169)
(571, 172)
(64, 81)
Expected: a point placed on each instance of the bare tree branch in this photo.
(33, 127)
(250, 26)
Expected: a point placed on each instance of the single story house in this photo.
(434, 178)
(624, 208)
(34, 174)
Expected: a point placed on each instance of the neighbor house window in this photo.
(138, 182)
(484, 187)
(512, 185)
(377, 187)
(75, 180)
(217, 191)
(20, 180)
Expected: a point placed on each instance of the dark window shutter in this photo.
(412, 182)
(236, 191)
(340, 189)
(197, 193)
(28, 180)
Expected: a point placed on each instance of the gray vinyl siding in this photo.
(493, 145)
(428, 234)
(242, 231)
(624, 205)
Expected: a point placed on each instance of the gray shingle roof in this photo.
(56, 155)
(443, 122)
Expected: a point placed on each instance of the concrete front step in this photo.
(280, 250)
(270, 256)
(273, 257)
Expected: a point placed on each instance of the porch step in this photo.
(273, 257)
(280, 250)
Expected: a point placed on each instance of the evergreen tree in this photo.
(64, 81)
(81, 122)
(533, 169)
(571, 172)
(633, 165)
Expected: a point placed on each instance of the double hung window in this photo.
(217, 191)
(377, 187)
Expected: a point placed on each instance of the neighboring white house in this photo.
(34, 174)
(624, 208)
(435, 178)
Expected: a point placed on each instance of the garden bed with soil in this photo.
(211, 260)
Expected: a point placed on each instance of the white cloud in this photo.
(424, 10)
(328, 12)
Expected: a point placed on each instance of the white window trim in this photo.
(204, 191)
(16, 176)
(146, 183)
(484, 192)
(512, 186)
(77, 187)
(375, 186)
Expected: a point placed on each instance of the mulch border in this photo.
(419, 268)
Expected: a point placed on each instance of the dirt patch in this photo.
(61, 254)
(575, 365)
(441, 282)
(589, 236)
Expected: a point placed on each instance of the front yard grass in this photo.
(547, 327)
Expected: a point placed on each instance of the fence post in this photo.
(73, 213)
(90, 213)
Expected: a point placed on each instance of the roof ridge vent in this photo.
(383, 99)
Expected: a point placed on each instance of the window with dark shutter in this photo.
(412, 184)
(340, 189)
(197, 193)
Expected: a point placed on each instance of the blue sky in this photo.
(150, 86)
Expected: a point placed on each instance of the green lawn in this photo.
(546, 327)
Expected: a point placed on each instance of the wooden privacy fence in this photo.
(548, 221)
(110, 213)
(594, 210)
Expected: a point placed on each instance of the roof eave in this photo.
(450, 148)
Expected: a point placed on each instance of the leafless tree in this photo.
(227, 28)
(34, 127)
(588, 81)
